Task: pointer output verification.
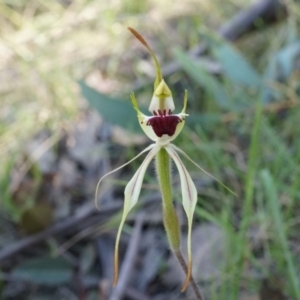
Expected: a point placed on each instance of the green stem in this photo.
(171, 222)
(169, 214)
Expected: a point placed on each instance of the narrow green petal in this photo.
(143, 119)
(185, 101)
(211, 176)
(100, 180)
(132, 192)
(134, 103)
(182, 116)
(189, 200)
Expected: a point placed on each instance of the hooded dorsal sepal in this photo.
(162, 100)
(162, 90)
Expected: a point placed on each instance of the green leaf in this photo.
(47, 271)
(201, 76)
(271, 75)
(287, 58)
(234, 64)
(236, 67)
(275, 211)
(204, 120)
(280, 67)
(116, 111)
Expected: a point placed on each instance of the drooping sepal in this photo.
(204, 171)
(189, 200)
(131, 195)
(115, 170)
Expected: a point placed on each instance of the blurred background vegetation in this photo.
(63, 60)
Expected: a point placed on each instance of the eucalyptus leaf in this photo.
(235, 65)
(202, 77)
(271, 75)
(46, 270)
(286, 58)
(280, 67)
(204, 120)
(116, 111)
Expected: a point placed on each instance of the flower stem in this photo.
(169, 214)
(171, 222)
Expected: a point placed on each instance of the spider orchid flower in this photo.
(162, 127)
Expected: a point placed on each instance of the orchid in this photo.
(162, 127)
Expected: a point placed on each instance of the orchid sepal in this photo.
(162, 99)
(203, 170)
(189, 201)
(131, 195)
(115, 170)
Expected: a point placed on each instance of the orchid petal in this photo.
(189, 200)
(143, 119)
(100, 180)
(185, 101)
(132, 192)
(211, 176)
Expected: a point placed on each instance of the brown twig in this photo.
(88, 215)
(58, 228)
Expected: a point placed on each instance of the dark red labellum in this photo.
(164, 124)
